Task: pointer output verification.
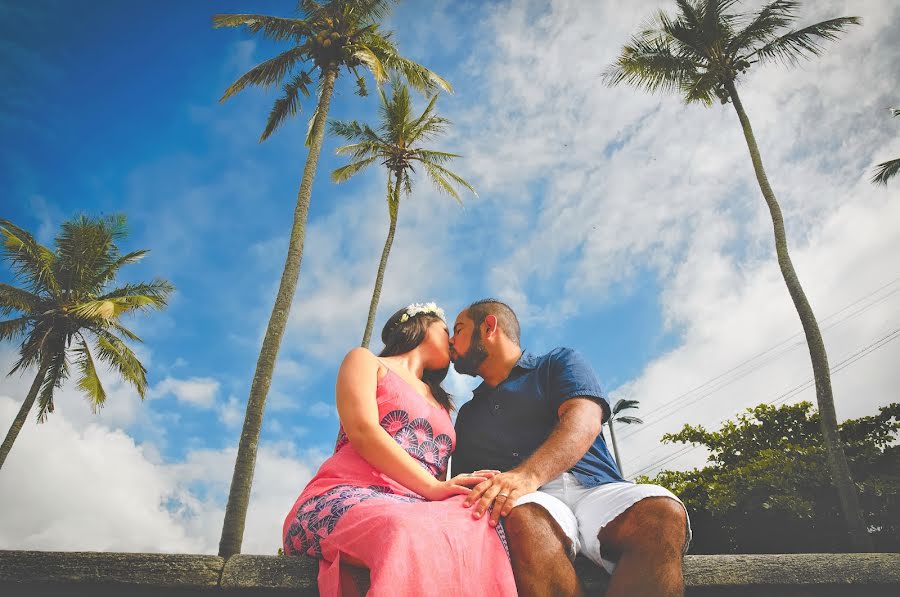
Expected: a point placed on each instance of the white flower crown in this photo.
(419, 308)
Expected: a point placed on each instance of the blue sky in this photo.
(625, 225)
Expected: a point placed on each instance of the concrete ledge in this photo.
(134, 574)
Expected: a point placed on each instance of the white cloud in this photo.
(197, 391)
(96, 489)
(231, 414)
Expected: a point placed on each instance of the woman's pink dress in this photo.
(410, 546)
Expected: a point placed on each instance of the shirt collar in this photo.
(526, 361)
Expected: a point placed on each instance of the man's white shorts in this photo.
(583, 511)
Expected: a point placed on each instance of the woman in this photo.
(381, 501)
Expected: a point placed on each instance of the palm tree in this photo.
(617, 417)
(886, 170)
(701, 54)
(396, 145)
(64, 299)
(327, 37)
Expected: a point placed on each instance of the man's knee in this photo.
(655, 522)
(531, 529)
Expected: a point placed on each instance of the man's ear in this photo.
(490, 325)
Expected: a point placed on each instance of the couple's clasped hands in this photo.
(486, 487)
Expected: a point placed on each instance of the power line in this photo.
(744, 368)
(866, 350)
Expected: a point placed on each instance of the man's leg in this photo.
(647, 541)
(540, 550)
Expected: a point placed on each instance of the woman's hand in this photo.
(458, 485)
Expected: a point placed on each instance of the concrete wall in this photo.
(138, 575)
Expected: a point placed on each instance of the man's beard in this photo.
(468, 363)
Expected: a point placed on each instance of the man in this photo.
(538, 419)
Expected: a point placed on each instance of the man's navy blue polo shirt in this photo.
(500, 427)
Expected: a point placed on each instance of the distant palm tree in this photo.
(702, 53)
(886, 170)
(617, 417)
(396, 146)
(331, 35)
(64, 299)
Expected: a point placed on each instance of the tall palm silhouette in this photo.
(396, 144)
(327, 37)
(702, 53)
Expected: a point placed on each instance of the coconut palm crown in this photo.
(396, 145)
(702, 53)
(65, 310)
(887, 170)
(325, 38)
(329, 36)
(706, 49)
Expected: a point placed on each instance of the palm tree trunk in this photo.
(19, 421)
(837, 460)
(239, 494)
(612, 435)
(379, 279)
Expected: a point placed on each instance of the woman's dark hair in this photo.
(401, 337)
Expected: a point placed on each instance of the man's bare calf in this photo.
(540, 552)
(647, 542)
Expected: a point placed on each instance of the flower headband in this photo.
(420, 308)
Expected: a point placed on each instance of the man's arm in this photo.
(580, 419)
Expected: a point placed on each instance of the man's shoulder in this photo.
(562, 354)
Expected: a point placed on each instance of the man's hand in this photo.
(502, 491)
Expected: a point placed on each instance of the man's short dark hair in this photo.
(506, 317)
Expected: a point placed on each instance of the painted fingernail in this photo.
(492, 523)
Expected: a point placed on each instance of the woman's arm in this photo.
(358, 410)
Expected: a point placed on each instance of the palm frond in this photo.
(717, 22)
(124, 331)
(629, 420)
(345, 172)
(367, 56)
(268, 73)
(685, 35)
(57, 373)
(354, 131)
(700, 87)
(85, 247)
(417, 126)
(417, 76)
(113, 268)
(16, 299)
(34, 346)
(439, 175)
(12, 329)
(650, 64)
(88, 381)
(288, 104)
(275, 28)
(885, 171)
(436, 157)
(802, 43)
(370, 9)
(395, 113)
(114, 352)
(764, 25)
(30, 261)
(145, 295)
(363, 149)
(624, 404)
